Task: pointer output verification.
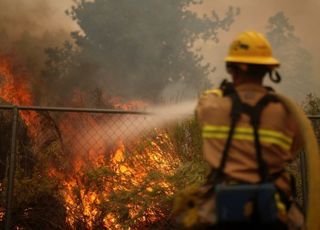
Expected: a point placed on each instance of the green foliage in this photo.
(295, 170)
(311, 106)
(166, 161)
(139, 197)
(134, 48)
(187, 141)
(37, 203)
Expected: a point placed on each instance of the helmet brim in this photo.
(254, 60)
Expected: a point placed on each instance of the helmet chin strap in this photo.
(275, 78)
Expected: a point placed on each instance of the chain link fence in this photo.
(66, 168)
(58, 164)
(301, 162)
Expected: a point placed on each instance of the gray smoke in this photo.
(303, 15)
(27, 28)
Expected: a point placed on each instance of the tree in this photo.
(296, 67)
(311, 106)
(134, 49)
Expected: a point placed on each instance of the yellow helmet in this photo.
(251, 48)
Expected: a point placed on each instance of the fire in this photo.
(118, 103)
(124, 169)
(111, 174)
(107, 177)
(11, 82)
(15, 89)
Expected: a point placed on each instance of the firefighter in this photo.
(249, 135)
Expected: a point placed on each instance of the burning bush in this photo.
(129, 183)
(93, 171)
(126, 185)
(36, 202)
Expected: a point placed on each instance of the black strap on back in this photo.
(254, 112)
(235, 116)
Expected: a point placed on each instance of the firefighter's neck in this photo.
(241, 79)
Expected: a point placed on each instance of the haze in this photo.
(46, 20)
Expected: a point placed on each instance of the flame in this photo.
(99, 170)
(15, 89)
(118, 103)
(11, 82)
(127, 168)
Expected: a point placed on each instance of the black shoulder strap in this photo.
(255, 115)
(254, 112)
(235, 116)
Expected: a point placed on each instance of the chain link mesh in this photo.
(87, 170)
(82, 170)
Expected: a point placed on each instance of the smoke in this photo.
(172, 113)
(36, 18)
(27, 28)
(130, 127)
(178, 92)
(303, 15)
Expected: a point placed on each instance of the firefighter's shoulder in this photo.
(216, 92)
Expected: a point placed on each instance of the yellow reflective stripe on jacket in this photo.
(247, 130)
(217, 92)
(241, 133)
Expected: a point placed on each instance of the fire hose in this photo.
(313, 162)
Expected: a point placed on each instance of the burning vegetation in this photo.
(104, 171)
(96, 171)
(93, 171)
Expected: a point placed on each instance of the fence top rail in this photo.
(92, 110)
(314, 117)
(71, 109)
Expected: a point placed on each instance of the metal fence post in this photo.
(9, 191)
(303, 168)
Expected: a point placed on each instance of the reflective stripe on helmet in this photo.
(241, 133)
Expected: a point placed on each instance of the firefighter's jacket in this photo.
(278, 134)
